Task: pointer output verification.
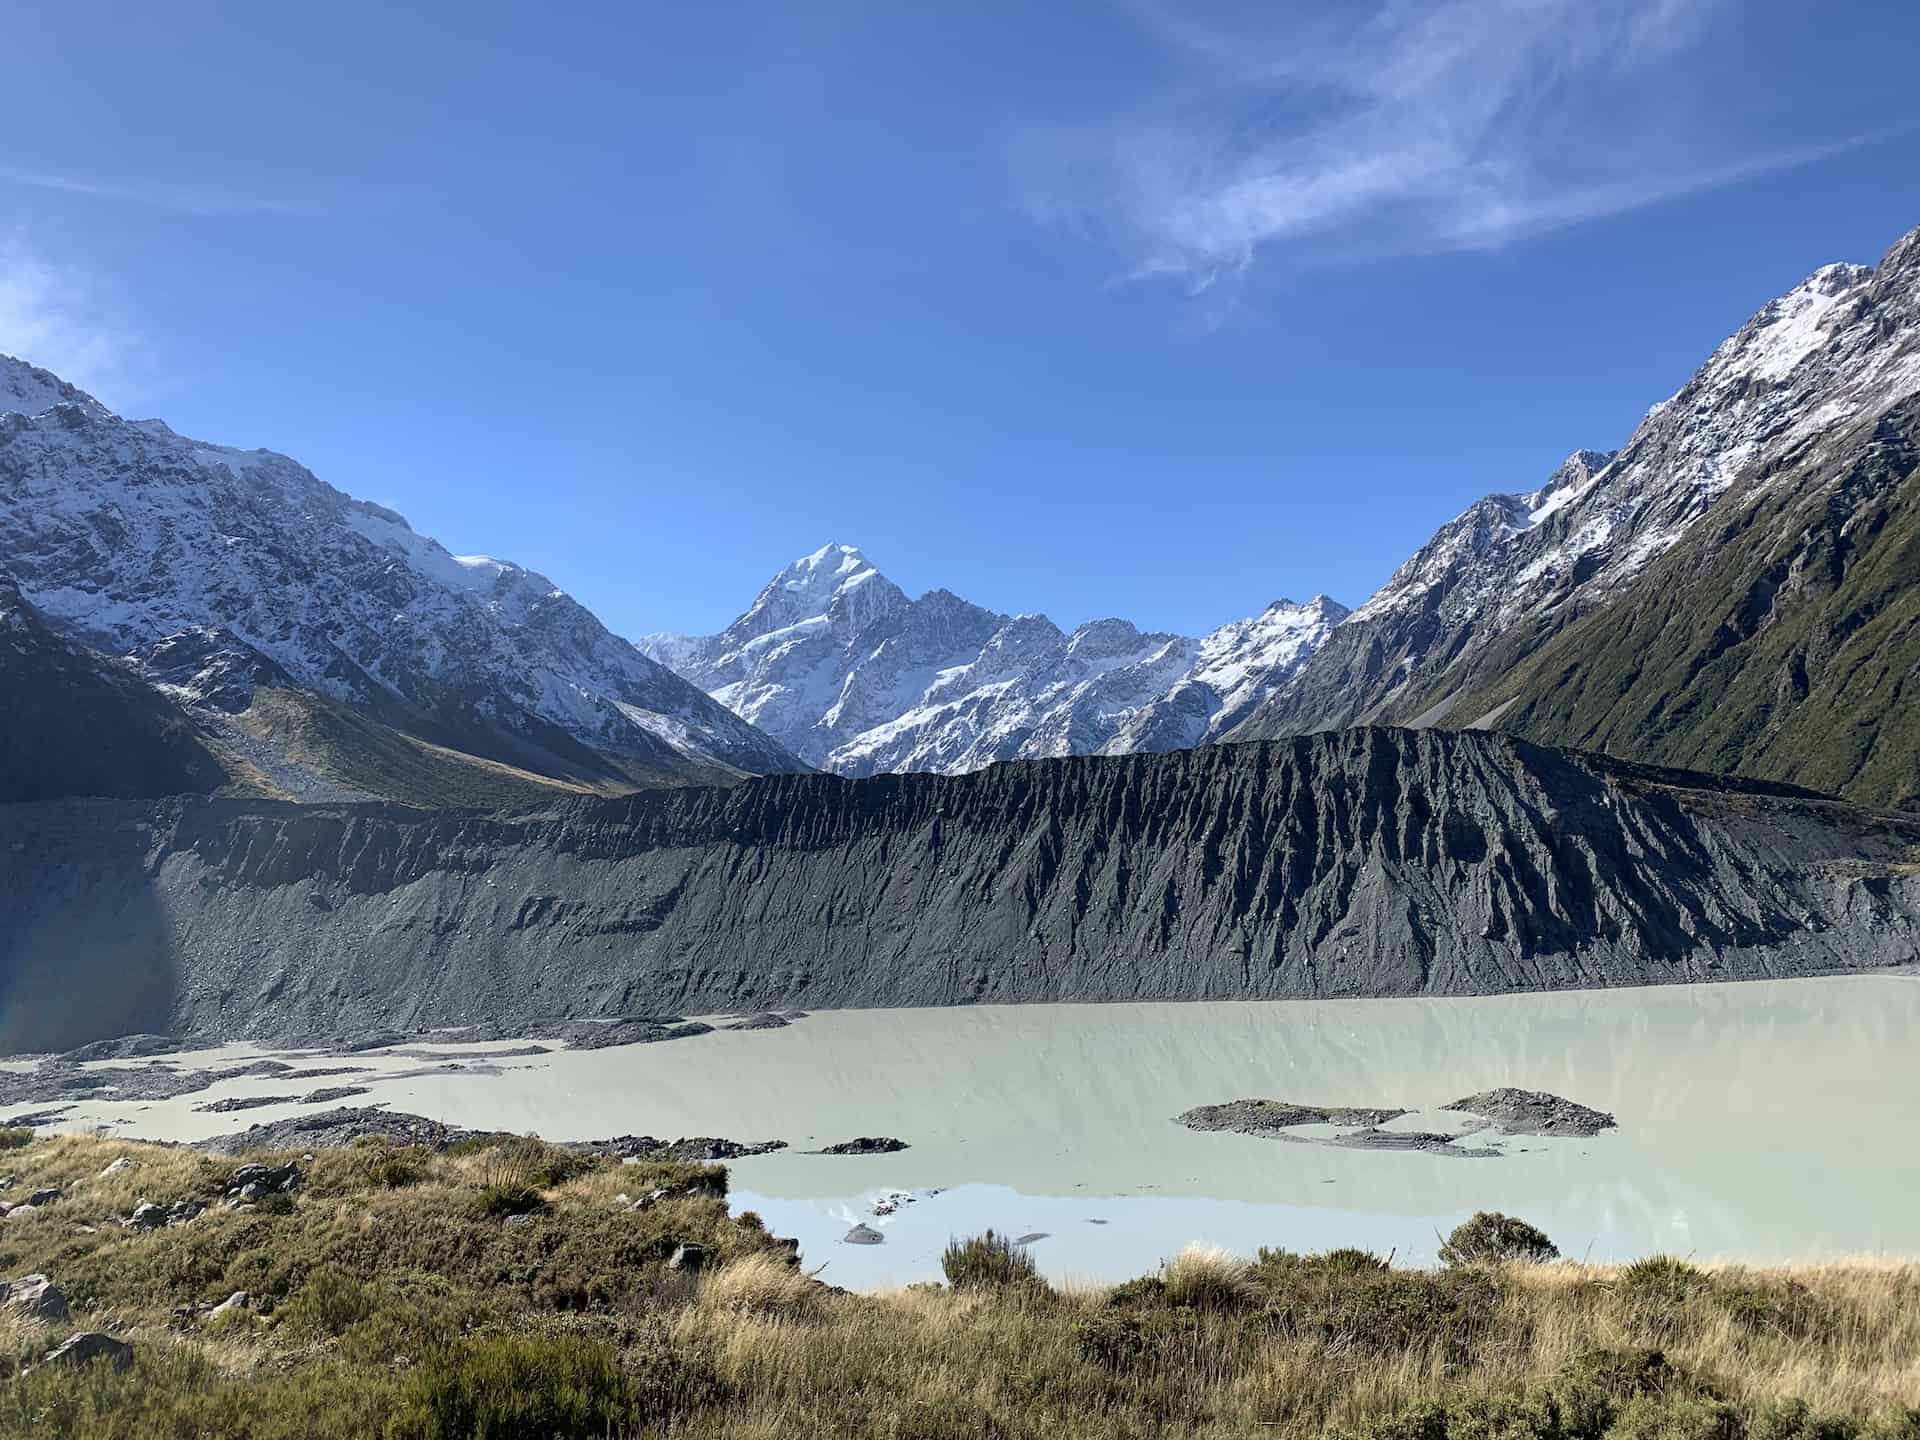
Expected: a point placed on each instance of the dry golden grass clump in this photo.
(514, 1290)
(764, 1284)
(1205, 1277)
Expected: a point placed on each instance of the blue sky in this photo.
(1136, 307)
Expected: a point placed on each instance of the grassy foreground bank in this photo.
(505, 1289)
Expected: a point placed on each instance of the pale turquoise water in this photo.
(1766, 1121)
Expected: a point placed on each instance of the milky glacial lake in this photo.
(1763, 1121)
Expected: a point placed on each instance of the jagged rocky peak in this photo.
(1109, 639)
(1567, 483)
(26, 389)
(835, 582)
(835, 661)
(1785, 331)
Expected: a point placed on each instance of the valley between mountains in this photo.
(275, 764)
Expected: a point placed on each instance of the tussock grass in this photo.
(1205, 1277)
(407, 1311)
(764, 1285)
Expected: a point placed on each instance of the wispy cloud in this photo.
(190, 197)
(1391, 126)
(51, 316)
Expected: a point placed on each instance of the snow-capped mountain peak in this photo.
(1843, 343)
(126, 534)
(26, 389)
(1788, 329)
(840, 665)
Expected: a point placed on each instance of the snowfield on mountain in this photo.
(838, 664)
(144, 544)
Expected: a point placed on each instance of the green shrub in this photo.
(1491, 1238)
(1896, 1422)
(507, 1197)
(1657, 1289)
(1112, 1340)
(1347, 1260)
(1586, 1401)
(1693, 1417)
(1286, 1273)
(987, 1260)
(1795, 1420)
(557, 1167)
(1785, 1308)
(1397, 1310)
(1143, 1293)
(408, 1314)
(508, 1387)
(327, 1302)
(15, 1137)
(1626, 1373)
(668, 1380)
(1422, 1420)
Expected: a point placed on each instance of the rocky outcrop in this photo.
(85, 1347)
(1365, 862)
(1266, 1117)
(866, 1145)
(34, 1297)
(1533, 1112)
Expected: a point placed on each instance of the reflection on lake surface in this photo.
(1765, 1121)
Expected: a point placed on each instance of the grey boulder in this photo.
(36, 1297)
(88, 1346)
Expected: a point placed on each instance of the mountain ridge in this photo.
(855, 676)
(1360, 862)
(127, 536)
(1469, 631)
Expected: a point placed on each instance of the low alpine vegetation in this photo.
(1491, 1238)
(988, 1261)
(388, 1296)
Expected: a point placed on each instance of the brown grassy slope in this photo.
(355, 748)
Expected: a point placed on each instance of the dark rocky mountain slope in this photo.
(1368, 862)
(75, 723)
